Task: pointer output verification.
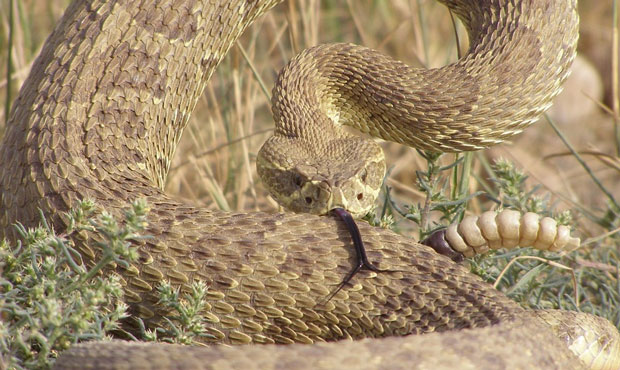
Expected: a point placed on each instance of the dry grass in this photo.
(214, 163)
(235, 106)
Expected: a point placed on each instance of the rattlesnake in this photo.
(105, 105)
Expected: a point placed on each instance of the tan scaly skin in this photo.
(106, 103)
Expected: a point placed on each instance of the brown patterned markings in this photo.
(144, 312)
(173, 20)
(222, 307)
(131, 271)
(328, 262)
(296, 314)
(318, 290)
(214, 295)
(210, 317)
(283, 299)
(273, 312)
(86, 251)
(282, 339)
(229, 253)
(275, 285)
(282, 322)
(300, 327)
(144, 258)
(296, 223)
(297, 249)
(344, 322)
(230, 322)
(369, 305)
(131, 296)
(246, 223)
(286, 238)
(226, 282)
(302, 338)
(212, 266)
(341, 308)
(305, 300)
(262, 339)
(237, 337)
(251, 326)
(237, 296)
(140, 285)
(297, 286)
(378, 326)
(289, 332)
(186, 264)
(245, 310)
(378, 280)
(251, 284)
(263, 300)
(337, 332)
(176, 277)
(329, 318)
(166, 261)
(217, 334)
(315, 332)
(368, 289)
(272, 244)
(261, 317)
(271, 329)
(400, 326)
(355, 297)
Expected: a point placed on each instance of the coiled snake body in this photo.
(105, 105)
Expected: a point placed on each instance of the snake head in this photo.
(341, 173)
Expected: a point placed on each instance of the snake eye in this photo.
(308, 200)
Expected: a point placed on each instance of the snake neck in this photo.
(108, 99)
(500, 87)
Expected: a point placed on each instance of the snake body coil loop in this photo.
(108, 98)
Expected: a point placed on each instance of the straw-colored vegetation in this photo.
(579, 183)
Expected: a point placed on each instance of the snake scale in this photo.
(105, 105)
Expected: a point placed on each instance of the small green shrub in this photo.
(50, 298)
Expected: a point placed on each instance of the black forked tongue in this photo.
(360, 251)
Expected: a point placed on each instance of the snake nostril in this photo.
(364, 176)
(360, 196)
(308, 200)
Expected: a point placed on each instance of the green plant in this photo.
(185, 323)
(50, 297)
